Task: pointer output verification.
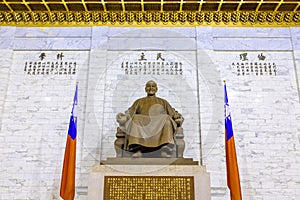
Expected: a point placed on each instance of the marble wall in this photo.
(35, 108)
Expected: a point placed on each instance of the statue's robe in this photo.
(151, 123)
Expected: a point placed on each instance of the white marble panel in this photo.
(7, 31)
(121, 90)
(297, 68)
(295, 34)
(263, 111)
(100, 43)
(6, 42)
(151, 44)
(269, 44)
(211, 116)
(152, 32)
(204, 38)
(5, 60)
(241, 32)
(41, 106)
(53, 32)
(93, 123)
(100, 31)
(7, 37)
(52, 43)
(99, 38)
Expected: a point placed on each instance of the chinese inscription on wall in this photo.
(151, 66)
(148, 188)
(257, 67)
(43, 67)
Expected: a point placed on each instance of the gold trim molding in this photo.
(88, 18)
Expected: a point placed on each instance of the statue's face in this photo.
(151, 88)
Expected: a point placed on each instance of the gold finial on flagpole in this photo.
(224, 81)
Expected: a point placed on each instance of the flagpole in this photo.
(233, 178)
(67, 187)
(199, 110)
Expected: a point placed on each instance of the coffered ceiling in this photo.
(148, 5)
(112, 12)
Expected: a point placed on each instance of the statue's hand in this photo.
(178, 118)
(179, 121)
(121, 118)
(177, 115)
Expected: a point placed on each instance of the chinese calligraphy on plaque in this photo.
(57, 67)
(150, 66)
(148, 188)
(246, 67)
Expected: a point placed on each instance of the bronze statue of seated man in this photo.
(150, 124)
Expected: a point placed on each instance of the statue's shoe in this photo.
(165, 155)
(137, 154)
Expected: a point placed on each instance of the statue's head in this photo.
(151, 88)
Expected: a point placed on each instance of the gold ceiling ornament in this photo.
(217, 18)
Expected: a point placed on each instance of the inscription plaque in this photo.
(50, 68)
(148, 187)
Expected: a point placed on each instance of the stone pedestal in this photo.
(183, 177)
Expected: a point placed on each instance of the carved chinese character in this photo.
(261, 56)
(142, 57)
(42, 56)
(274, 69)
(60, 56)
(158, 56)
(25, 68)
(243, 56)
(180, 71)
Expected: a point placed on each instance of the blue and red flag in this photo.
(67, 187)
(233, 178)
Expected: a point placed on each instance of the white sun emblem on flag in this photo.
(227, 111)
